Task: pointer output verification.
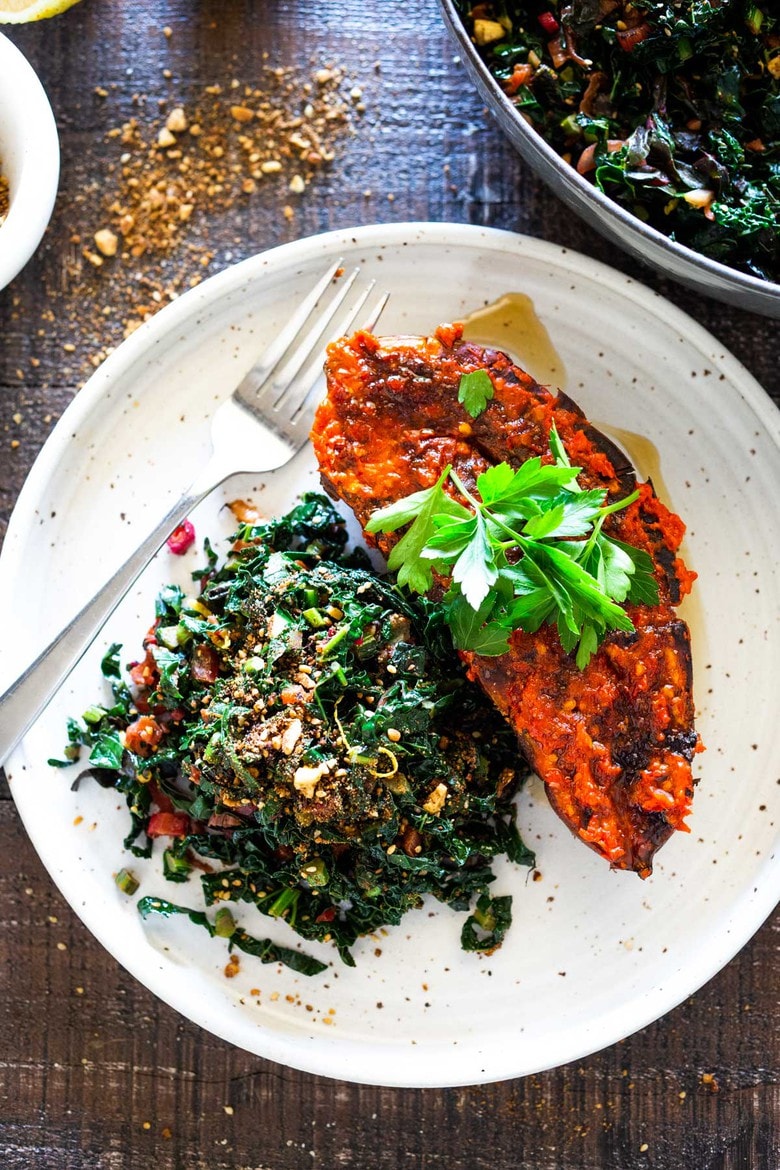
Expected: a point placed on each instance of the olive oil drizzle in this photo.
(512, 325)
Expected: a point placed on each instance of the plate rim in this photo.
(319, 1056)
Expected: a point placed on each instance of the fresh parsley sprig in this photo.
(526, 549)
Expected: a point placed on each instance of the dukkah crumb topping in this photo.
(302, 731)
(5, 198)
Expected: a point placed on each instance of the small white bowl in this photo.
(29, 159)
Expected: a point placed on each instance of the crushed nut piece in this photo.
(176, 121)
(106, 242)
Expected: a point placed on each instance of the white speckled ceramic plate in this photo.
(592, 955)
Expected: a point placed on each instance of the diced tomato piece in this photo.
(168, 824)
(549, 23)
(205, 664)
(174, 716)
(145, 674)
(160, 798)
(143, 735)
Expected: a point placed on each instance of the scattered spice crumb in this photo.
(180, 173)
(277, 128)
(5, 198)
(106, 241)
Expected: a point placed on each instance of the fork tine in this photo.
(369, 325)
(277, 349)
(284, 403)
(298, 393)
(308, 342)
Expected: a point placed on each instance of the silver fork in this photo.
(272, 407)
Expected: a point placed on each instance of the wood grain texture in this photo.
(95, 1074)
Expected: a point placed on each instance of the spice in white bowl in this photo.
(5, 198)
(29, 160)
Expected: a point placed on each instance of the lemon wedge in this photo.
(24, 11)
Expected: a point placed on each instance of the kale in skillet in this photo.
(671, 107)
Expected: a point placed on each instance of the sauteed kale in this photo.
(304, 731)
(671, 107)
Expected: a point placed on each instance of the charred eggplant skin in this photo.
(614, 742)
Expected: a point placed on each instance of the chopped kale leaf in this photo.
(671, 107)
(302, 733)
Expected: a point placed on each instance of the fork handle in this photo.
(26, 698)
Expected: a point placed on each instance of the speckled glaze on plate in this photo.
(593, 955)
(602, 213)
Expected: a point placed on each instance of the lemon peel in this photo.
(26, 11)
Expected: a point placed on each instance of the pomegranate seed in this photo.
(181, 538)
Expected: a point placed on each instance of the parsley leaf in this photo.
(527, 549)
(475, 391)
(470, 631)
(473, 556)
(502, 487)
(413, 570)
(559, 452)
(644, 587)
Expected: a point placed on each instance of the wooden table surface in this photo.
(94, 1072)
